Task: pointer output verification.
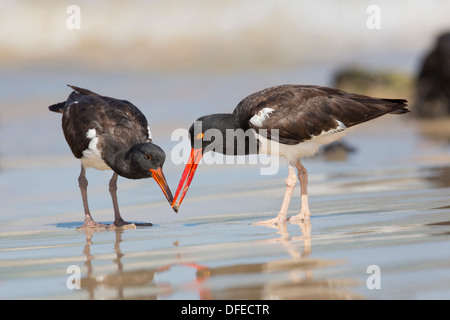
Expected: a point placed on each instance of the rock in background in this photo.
(433, 81)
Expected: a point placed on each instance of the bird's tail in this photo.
(58, 107)
(398, 105)
(82, 91)
(392, 106)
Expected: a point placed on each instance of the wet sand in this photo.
(387, 204)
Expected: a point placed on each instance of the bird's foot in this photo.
(89, 223)
(302, 217)
(120, 223)
(275, 221)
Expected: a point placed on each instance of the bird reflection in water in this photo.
(286, 279)
(290, 278)
(124, 279)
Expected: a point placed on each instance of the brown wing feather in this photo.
(302, 112)
(85, 110)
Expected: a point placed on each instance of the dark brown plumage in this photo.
(302, 112)
(112, 118)
(107, 133)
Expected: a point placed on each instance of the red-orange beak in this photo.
(158, 175)
(188, 175)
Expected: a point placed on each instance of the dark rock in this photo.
(433, 81)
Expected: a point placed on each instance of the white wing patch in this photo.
(258, 119)
(91, 134)
(341, 127)
(149, 133)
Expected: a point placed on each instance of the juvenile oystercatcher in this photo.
(289, 120)
(110, 134)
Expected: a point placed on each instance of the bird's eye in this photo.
(147, 156)
(200, 136)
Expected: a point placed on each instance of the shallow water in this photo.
(387, 204)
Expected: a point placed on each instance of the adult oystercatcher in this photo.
(287, 120)
(107, 133)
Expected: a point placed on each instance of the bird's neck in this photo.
(122, 162)
(229, 137)
(223, 122)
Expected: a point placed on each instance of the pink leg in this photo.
(290, 185)
(305, 213)
(88, 221)
(118, 221)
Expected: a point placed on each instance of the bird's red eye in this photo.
(200, 136)
(147, 156)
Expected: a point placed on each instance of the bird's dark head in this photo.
(147, 160)
(205, 130)
(146, 157)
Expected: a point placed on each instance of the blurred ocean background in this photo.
(212, 36)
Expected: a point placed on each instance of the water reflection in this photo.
(439, 176)
(291, 278)
(288, 279)
(120, 279)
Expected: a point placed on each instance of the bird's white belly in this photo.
(92, 160)
(300, 150)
